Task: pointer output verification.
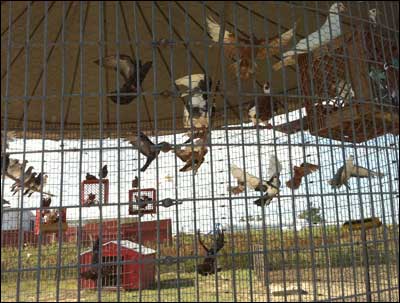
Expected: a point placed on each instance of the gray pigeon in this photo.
(27, 177)
(167, 202)
(349, 170)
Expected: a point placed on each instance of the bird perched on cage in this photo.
(128, 70)
(273, 183)
(27, 176)
(103, 172)
(142, 203)
(240, 50)
(93, 272)
(46, 201)
(329, 31)
(372, 16)
(91, 200)
(193, 156)
(36, 184)
(207, 267)
(263, 108)
(90, 177)
(196, 111)
(135, 182)
(168, 202)
(147, 148)
(349, 170)
(299, 172)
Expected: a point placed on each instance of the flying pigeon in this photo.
(299, 172)
(240, 51)
(264, 108)
(273, 184)
(251, 181)
(207, 267)
(349, 170)
(149, 149)
(15, 168)
(197, 106)
(92, 272)
(90, 177)
(27, 177)
(194, 157)
(5, 203)
(36, 184)
(329, 31)
(127, 69)
(103, 172)
(167, 202)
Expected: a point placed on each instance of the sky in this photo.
(205, 197)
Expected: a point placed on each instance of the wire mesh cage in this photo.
(200, 151)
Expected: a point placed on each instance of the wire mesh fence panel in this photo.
(200, 151)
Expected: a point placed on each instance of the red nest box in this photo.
(143, 201)
(90, 192)
(50, 220)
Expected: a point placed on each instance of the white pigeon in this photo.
(349, 170)
(372, 15)
(330, 30)
(273, 184)
(251, 181)
(196, 109)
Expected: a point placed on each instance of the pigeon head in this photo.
(373, 12)
(337, 7)
(266, 88)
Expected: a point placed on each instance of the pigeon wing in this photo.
(214, 29)
(362, 172)
(252, 181)
(195, 79)
(275, 166)
(126, 65)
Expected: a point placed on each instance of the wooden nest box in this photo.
(349, 89)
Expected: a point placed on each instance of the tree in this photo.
(312, 215)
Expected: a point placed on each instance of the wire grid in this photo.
(270, 254)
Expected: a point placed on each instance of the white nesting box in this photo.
(11, 220)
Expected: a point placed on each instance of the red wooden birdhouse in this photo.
(137, 268)
(341, 83)
(47, 220)
(91, 192)
(143, 201)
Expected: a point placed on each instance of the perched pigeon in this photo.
(329, 31)
(91, 200)
(135, 182)
(128, 70)
(299, 172)
(149, 149)
(15, 168)
(90, 177)
(273, 184)
(349, 170)
(372, 15)
(103, 172)
(239, 50)
(207, 267)
(263, 108)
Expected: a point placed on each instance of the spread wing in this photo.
(126, 65)
(214, 29)
(194, 80)
(252, 181)
(362, 172)
(275, 166)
